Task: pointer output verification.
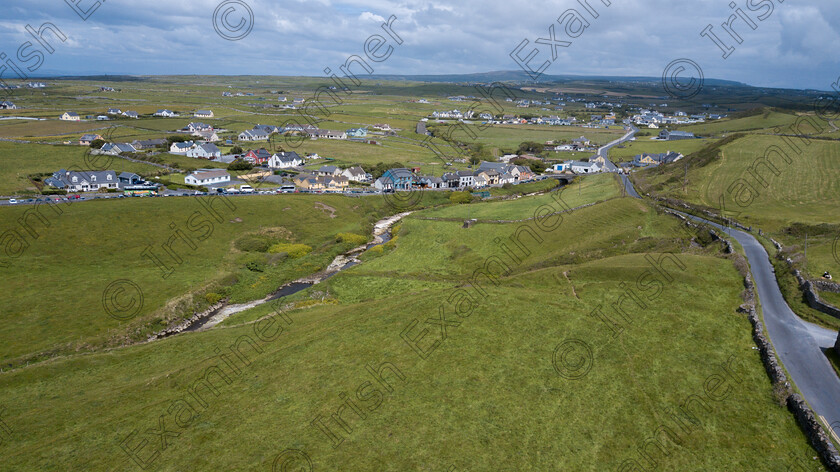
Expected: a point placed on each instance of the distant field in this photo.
(18, 161)
(510, 136)
(488, 398)
(769, 120)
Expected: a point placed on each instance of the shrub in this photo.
(255, 266)
(352, 238)
(213, 298)
(293, 250)
(252, 243)
(460, 197)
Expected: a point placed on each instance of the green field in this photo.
(486, 398)
(767, 120)
(19, 161)
(805, 191)
(628, 151)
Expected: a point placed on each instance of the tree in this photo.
(532, 147)
(240, 164)
(536, 166)
(236, 150)
(97, 143)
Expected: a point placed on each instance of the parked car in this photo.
(246, 189)
(12, 201)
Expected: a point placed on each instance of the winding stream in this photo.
(209, 319)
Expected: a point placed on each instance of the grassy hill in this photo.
(490, 396)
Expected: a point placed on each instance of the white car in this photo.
(12, 201)
(246, 189)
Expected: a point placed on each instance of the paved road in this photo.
(604, 151)
(799, 344)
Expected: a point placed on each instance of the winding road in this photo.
(798, 344)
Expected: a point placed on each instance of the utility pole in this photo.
(685, 178)
(806, 252)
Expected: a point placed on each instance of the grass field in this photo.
(766, 120)
(487, 398)
(805, 191)
(19, 161)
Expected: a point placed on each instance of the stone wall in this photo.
(814, 431)
(813, 297)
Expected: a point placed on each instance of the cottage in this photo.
(356, 174)
(646, 159)
(395, 179)
(356, 133)
(254, 135)
(115, 149)
(285, 160)
(88, 138)
(131, 114)
(330, 134)
(205, 151)
(579, 167)
(207, 177)
(70, 116)
(148, 143)
(204, 114)
(129, 178)
(193, 127)
(328, 170)
(166, 113)
(258, 157)
(6, 105)
(207, 135)
(114, 111)
(83, 181)
(181, 147)
(465, 178)
(426, 181)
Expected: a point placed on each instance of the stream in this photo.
(214, 316)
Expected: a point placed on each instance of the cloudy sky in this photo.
(793, 44)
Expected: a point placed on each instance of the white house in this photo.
(579, 167)
(70, 116)
(204, 114)
(357, 174)
(114, 111)
(7, 105)
(254, 135)
(561, 167)
(284, 160)
(83, 181)
(207, 177)
(181, 148)
(131, 114)
(166, 113)
(205, 151)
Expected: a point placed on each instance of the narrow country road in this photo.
(799, 344)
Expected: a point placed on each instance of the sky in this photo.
(788, 44)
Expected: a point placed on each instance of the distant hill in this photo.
(522, 76)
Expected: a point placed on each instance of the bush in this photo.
(239, 164)
(460, 197)
(293, 250)
(213, 298)
(352, 238)
(252, 243)
(255, 266)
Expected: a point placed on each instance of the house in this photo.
(83, 181)
(254, 135)
(88, 138)
(507, 179)
(488, 177)
(382, 127)
(285, 160)
(321, 182)
(465, 178)
(129, 178)
(181, 147)
(115, 149)
(114, 111)
(675, 135)
(207, 177)
(328, 170)
(356, 174)
(646, 159)
(356, 133)
(580, 143)
(330, 134)
(70, 116)
(107, 89)
(426, 181)
(258, 157)
(395, 179)
(207, 135)
(166, 113)
(335, 183)
(267, 128)
(579, 167)
(193, 127)
(6, 105)
(205, 151)
(203, 114)
(148, 143)
(102, 118)
(308, 182)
